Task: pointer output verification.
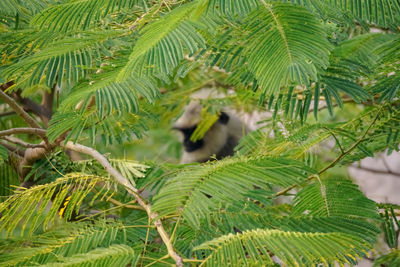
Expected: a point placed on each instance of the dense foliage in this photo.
(89, 89)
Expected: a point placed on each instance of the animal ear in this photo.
(223, 118)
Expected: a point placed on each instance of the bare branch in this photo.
(133, 191)
(13, 149)
(27, 103)
(22, 113)
(44, 110)
(388, 172)
(104, 162)
(20, 142)
(39, 132)
(47, 105)
(7, 113)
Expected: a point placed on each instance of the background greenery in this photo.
(113, 75)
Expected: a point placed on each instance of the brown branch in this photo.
(22, 113)
(39, 132)
(13, 149)
(133, 191)
(387, 172)
(44, 110)
(7, 113)
(20, 142)
(47, 105)
(27, 103)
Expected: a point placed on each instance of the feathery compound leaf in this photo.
(334, 197)
(67, 59)
(65, 195)
(161, 45)
(390, 259)
(64, 241)
(114, 255)
(227, 180)
(286, 44)
(243, 220)
(380, 12)
(388, 88)
(130, 169)
(113, 97)
(232, 6)
(79, 14)
(8, 178)
(293, 248)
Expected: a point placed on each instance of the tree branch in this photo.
(20, 142)
(13, 149)
(39, 132)
(7, 113)
(44, 110)
(22, 113)
(133, 191)
(47, 105)
(388, 172)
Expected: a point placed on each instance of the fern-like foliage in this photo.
(78, 15)
(284, 52)
(112, 128)
(332, 197)
(161, 45)
(114, 255)
(65, 241)
(232, 7)
(381, 12)
(27, 207)
(8, 178)
(194, 193)
(110, 96)
(293, 248)
(390, 259)
(66, 58)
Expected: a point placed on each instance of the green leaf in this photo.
(292, 248)
(161, 44)
(334, 197)
(286, 45)
(114, 255)
(27, 206)
(198, 190)
(78, 15)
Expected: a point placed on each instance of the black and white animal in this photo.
(218, 142)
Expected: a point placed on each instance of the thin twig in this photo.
(376, 171)
(13, 149)
(39, 132)
(335, 161)
(156, 260)
(133, 191)
(361, 139)
(337, 140)
(7, 113)
(174, 231)
(145, 244)
(20, 142)
(22, 113)
(386, 164)
(122, 205)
